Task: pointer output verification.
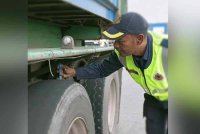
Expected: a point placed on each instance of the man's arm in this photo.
(164, 43)
(100, 69)
(95, 70)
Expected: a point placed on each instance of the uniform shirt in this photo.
(112, 63)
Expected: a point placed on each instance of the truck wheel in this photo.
(59, 107)
(105, 97)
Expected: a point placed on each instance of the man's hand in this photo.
(68, 72)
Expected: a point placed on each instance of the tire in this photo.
(59, 107)
(105, 95)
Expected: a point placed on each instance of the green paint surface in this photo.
(83, 32)
(43, 34)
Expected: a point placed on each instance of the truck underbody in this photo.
(69, 106)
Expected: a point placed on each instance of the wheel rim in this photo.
(112, 105)
(77, 126)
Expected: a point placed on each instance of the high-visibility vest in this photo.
(154, 78)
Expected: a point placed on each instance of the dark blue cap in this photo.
(129, 23)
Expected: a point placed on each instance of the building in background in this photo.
(155, 11)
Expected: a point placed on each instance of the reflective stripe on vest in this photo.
(154, 81)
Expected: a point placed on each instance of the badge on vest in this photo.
(158, 77)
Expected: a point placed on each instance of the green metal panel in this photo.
(43, 34)
(83, 32)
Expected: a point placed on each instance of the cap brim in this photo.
(113, 33)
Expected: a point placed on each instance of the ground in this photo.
(131, 111)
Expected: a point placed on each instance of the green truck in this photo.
(59, 32)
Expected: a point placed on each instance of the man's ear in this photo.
(140, 38)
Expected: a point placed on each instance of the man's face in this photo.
(127, 45)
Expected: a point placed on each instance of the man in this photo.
(144, 55)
